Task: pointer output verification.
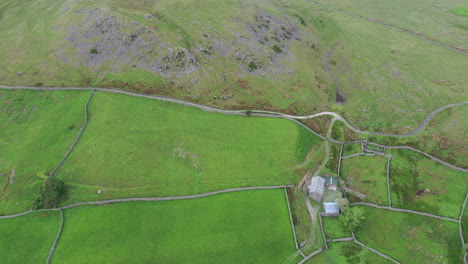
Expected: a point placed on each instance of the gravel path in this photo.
(405, 211)
(341, 239)
(238, 112)
(391, 27)
(170, 198)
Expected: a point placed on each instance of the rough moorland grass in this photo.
(242, 227)
(27, 239)
(410, 238)
(334, 228)
(36, 130)
(461, 11)
(367, 175)
(430, 19)
(347, 252)
(141, 147)
(412, 173)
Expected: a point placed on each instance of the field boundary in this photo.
(310, 256)
(405, 211)
(375, 251)
(389, 26)
(267, 114)
(296, 243)
(72, 147)
(167, 198)
(54, 245)
(460, 228)
(323, 232)
(388, 180)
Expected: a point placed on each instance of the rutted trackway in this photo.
(388, 26)
(170, 198)
(267, 114)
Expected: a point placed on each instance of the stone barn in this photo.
(317, 188)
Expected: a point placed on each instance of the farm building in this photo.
(330, 182)
(317, 188)
(331, 209)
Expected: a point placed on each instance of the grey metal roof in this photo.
(331, 208)
(317, 185)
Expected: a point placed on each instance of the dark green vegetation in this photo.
(410, 238)
(347, 253)
(36, 130)
(334, 228)
(366, 178)
(386, 77)
(461, 11)
(242, 227)
(49, 195)
(172, 150)
(27, 239)
(419, 183)
(352, 218)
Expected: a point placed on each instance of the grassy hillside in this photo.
(174, 150)
(430, 19)
(418, 183)
(27, 239)
(285, 55)
(243, 227)
(410, 238)
(36, 130)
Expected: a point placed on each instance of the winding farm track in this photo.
(269, 114)
(170, 198)
(388, 26)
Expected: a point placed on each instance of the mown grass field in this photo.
(27, 239)
(410, 238)
(242, 227)
(441, 190)
(36, 130)
(431, 19)
(172, 150)
(347, 252)
(366, 175)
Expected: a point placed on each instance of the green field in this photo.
(366, 175)
(461, 11)
(347, 252)
(334, 228)
(174, 150)
(242, 227)
(28, 239)
(412, 173)
(410, 238)
(36, 130)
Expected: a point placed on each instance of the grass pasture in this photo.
(334, 228)
(366, 175)
(241, 227)
(27, 239)
(461, 11)
(36, 130)
(347, 252)
(410, 238)
(421, 184)
(172, 150)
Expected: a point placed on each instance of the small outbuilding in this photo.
(330, 182)
(317, 188)
(331, 209)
